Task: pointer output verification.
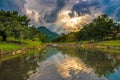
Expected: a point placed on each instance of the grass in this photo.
(7, 46)
(16, 45)
(12, 45)
(32, 43)
(114, 43)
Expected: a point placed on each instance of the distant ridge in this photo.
(49, 34)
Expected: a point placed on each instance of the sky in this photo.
(63, 15)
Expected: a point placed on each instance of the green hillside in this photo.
(49, 34)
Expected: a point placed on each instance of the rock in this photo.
(13, 53)
(19, 51)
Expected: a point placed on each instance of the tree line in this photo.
(18, 26)
(100, 29)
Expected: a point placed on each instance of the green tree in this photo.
(100, 28)
(12, 24)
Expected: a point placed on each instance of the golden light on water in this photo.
(69, 64)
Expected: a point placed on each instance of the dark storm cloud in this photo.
(52, 16)
(109, 7)
(83, 7)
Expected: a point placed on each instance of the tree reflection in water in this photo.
(62, 64)
(20, 68)
(64, 67)
(103, 63)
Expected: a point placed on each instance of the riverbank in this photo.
(112, 46)
(11, 49)
(104, 46)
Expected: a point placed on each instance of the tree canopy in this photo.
(101, 28)
(17, 26)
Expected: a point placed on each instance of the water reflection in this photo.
(102, 63)
(20, 68)
(64, 67)
(62, 64)
(115, 75)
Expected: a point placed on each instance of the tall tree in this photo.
(12, 24)
(100, 28)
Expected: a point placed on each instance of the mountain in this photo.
(49, 34)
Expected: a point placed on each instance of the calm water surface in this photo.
(62, 64)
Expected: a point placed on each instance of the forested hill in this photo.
(49, 34)
(100, 29)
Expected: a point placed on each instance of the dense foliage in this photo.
(101, 28)
(66, 37)
(18, 26)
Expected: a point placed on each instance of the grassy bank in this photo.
(8, 57)
(112, 46)
(16, 45)
(113, 43)
(12, 46)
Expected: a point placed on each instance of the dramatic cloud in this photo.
(63, 15)
(52, 16)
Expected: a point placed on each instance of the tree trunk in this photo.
(114, 36)
(4, 36)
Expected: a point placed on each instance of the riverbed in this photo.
(62, 63)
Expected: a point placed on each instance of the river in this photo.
(62, 64)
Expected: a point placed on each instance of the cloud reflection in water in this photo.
(64, 67)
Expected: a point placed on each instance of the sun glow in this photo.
(72, 24)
